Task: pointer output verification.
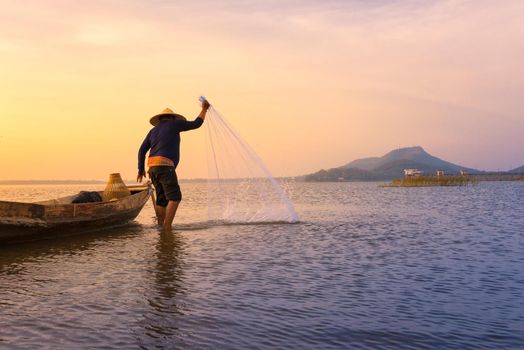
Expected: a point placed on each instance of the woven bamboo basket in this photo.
(115, 188)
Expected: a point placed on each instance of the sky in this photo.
(309, 84)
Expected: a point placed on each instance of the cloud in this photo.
(462, 52)
(389, 68)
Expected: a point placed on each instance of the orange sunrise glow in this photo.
(308, 84)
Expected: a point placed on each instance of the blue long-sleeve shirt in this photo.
(164, 140)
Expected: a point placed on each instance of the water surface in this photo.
(366, 268)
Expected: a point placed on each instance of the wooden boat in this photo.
(59, 217)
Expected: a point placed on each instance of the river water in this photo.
(366, 268)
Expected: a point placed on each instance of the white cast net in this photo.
(241, 188)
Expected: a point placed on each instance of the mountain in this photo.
(364, 163)
(389, 166)
(519, 170)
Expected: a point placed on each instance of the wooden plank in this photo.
(29, 219)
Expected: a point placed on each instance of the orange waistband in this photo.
(159, 161)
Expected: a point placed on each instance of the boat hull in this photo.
(33, 221)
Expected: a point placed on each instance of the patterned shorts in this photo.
(166, 184)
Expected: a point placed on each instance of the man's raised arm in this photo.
(195, 124)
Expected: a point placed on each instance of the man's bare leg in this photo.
(170, 212)
(160, 214)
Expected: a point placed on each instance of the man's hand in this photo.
(140, 176)
(205, 107)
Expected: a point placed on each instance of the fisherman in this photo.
(163, 144)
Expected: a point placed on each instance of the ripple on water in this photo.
(367, 268)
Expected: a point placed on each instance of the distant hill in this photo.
(388, 167)
(519, 170)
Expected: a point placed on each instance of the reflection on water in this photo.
(368, 267)
(168, 270)
(16, 255)
(160, 321)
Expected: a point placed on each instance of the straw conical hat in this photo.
(154, 121)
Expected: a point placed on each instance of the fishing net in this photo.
(241, 188)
